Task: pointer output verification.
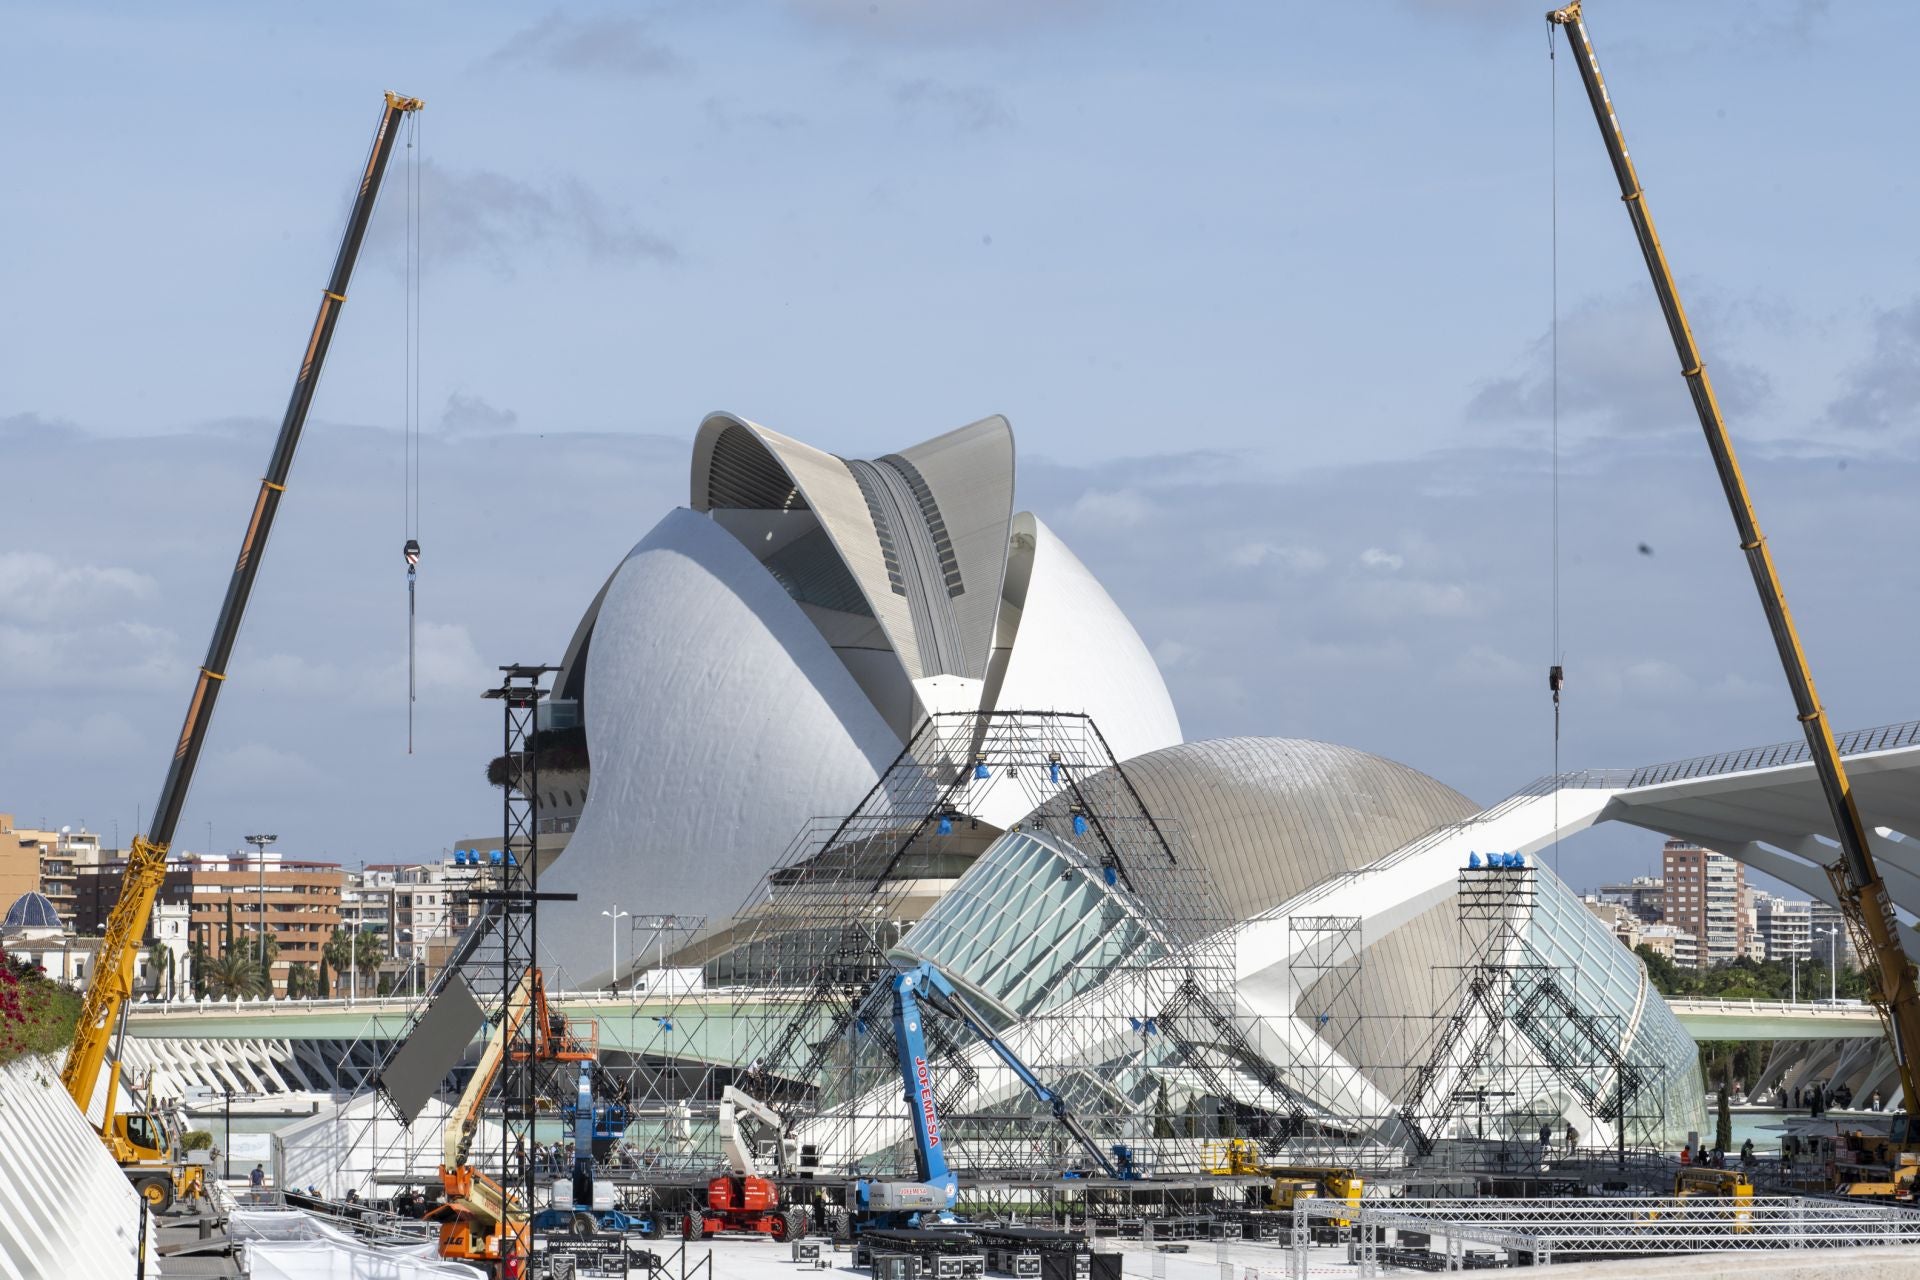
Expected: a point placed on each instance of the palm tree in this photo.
(301, 980)
(234, 973)
(159, 968)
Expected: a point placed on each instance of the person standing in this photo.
(1573, 1138)
(257, 1180)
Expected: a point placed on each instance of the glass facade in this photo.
(1609, 982)
(1030, 927)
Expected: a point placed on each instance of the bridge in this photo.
(1776, 1020)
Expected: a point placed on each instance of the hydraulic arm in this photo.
(1862, 893)
(147, 860)
(926, 985)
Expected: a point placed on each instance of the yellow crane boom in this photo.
(113, 969)
(1862, 894)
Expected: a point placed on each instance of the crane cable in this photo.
(1556, 671)
(410, 408)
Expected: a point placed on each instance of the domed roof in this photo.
(1272, 817)
(31, 911)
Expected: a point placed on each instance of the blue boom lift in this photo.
(898, 1203)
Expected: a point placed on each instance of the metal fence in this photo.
(1567, 1229)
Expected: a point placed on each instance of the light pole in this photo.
(1833, 962)
(616, 916)
(1793, 967)
(260, 843)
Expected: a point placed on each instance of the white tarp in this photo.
(342, 1148)
(288, 1244)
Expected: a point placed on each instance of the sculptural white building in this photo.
(760, 657)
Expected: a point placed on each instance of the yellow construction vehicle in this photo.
(1732, 1185)
(1324, 1182)
(1240, 1158)
(139, 1141)
(1859, 891)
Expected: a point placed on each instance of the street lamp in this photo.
(1833, 962)
(260, 843)
(616, 915)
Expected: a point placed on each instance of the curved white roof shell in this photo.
(761, 657)
(719, 721)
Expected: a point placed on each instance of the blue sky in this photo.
(1264, 290)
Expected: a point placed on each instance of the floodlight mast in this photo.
(1862, 894)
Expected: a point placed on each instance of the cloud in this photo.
(1375, 558)
(615, 48)
(479, 215)
(258, 767)
(1250, 555)
(466, 414)
(941, 22)
(36, 588)
(1120, 508)
(94, 736)
(971, 108)
(119, 655)
(1882, 391)
(726, 117)
(1618, 374)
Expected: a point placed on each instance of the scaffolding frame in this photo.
(1513, 1033)
(1139, 1027)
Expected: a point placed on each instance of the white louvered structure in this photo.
(66, 1209)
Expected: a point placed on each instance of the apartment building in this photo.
(1704, 895)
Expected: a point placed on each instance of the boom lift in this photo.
(898, 1203)
(745, 1200)
(1861, 893)
(481, 1221)
(138, 1141)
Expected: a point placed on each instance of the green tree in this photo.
(159, 967)
(1162, 1114)
(301, 980)
(1723, 1125)
(369, 953)
(338, 953)
(234, 974)
(197, 957)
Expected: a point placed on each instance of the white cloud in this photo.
(1375, 558)
(37, 588)
(115, 656)
(102, 733)
(1116, 508)
(1250, 555)
(1174, 653)
(256, 766)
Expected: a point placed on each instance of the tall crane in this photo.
(106, 998)
(1861, 893)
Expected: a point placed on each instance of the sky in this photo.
(1268, 292)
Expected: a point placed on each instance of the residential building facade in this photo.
(1703, 895)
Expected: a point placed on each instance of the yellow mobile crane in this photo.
(137, 1140)
(1861, 893)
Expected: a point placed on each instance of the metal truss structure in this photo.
(1570, 1229)
(1097, 949)
(1516, 1036)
